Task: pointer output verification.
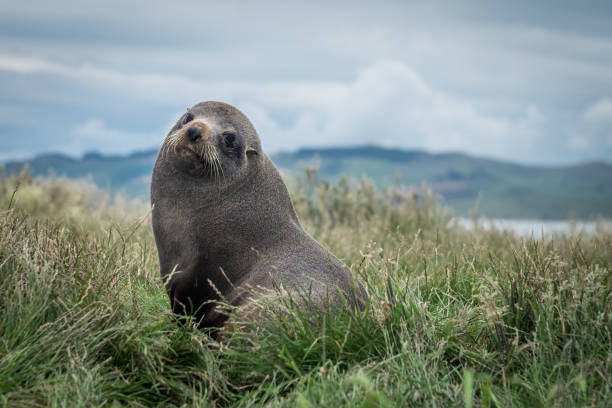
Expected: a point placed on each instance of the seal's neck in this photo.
(236, 210)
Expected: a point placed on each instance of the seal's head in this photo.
(212, 140)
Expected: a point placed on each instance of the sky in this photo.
(521, 81)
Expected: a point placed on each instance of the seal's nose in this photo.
(194, 133)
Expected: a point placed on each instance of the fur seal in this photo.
(224, 223)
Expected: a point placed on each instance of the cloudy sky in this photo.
(522, 81)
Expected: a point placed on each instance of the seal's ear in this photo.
(251, 150)
(187, 117)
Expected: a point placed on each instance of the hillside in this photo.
(129, 174)
(500, 189)
(495, 188)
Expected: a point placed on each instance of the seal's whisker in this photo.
(217, 166)
(221, 175)
(216, 172)
(220, 168)
(205, 154)
(171, 143)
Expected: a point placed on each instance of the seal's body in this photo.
(224, 223)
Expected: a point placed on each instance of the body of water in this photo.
(537, 228)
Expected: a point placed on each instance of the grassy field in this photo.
(456, 318)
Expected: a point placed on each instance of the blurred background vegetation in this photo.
(497, 189)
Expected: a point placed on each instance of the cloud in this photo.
(386, 103)
(599, 113)
(579, 141)
(94, 135)
(389, 103)
(594, 129)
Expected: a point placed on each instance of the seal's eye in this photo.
(229, 138)
(187, 118)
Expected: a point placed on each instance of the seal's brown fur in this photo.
(224, 222)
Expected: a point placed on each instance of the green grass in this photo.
(456, 317)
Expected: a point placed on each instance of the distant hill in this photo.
(129, 174)
(499, 189)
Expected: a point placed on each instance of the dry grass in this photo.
(457, 318)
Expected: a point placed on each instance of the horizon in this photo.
(527, 83)
(155, 150)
